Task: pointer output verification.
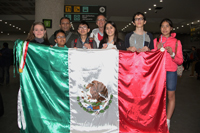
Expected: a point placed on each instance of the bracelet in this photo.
(173, 55)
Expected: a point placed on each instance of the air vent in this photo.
(158, 8)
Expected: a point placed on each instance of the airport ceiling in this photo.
(21, 13)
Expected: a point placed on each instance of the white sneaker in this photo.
(168, 123)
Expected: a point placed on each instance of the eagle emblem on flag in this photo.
(94, 98)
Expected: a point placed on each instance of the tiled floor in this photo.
(186, 118)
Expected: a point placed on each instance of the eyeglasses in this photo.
(59, 37)
(100, 19)
(137, 19)
(84, 27)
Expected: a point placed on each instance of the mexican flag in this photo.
(96, 91)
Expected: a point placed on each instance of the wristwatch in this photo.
(173, 55)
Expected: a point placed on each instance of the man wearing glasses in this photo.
(139, 40)
(97, 33)
(83, 41)
(65, 25)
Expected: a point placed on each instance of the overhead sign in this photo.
(78, 13)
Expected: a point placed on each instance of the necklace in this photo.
(162, 48)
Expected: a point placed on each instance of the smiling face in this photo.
(60, 39)
(166, 29)
(101, 20)
(139, 21)
(39, 31)
(83, 29)
(65, 25)
(110, 30)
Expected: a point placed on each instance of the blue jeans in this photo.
(171, 80)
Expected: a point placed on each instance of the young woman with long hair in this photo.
(38, 34)
(174, 57)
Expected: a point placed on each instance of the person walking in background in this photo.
(110, 38)
(97, 33)
(139, 40)
(5, 63)
(193, 60)
(186, 61)
(174, 57)
(38, 34)
(65, 25)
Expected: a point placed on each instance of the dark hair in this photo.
(138, 13)
(194, 47)
(168, 21)
(84, 23)
(105, 36)
(64, 18)
(31, 36)
(5, 44)
(58, 31)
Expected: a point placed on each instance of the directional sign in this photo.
(78, 13)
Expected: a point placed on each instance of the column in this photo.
(49, 9)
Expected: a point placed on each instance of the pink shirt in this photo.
(171, 64)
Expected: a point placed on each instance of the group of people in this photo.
(106, 37)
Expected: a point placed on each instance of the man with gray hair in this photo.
(97, 33)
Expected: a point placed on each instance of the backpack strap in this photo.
(176, 47)
(75, 42)
(91, 43)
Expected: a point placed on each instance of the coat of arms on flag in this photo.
(96, 99)
(76, 90)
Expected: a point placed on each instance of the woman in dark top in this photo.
(38, 34)
(110, 38)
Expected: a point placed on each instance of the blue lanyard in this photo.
(110, 42)
(143, 39)
(164, 42)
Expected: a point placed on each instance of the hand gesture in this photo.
(169, 50)
(145, 48)
(87, 46)
(133, 49)
(159, 45)
(105, 46)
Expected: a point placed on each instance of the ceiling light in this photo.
(177, 27)
(1, 31)
(19, 28)
(145, 12)
(13, 25)
(192, 22)
(149, 9)
(16, 27)
(0, 20)
(161, 0)
(154, 5)
(129, 23)
(173, 28)
(24, 31)
(182, 26)
(188, 24)
(198, 21)
(5, 22)
(8, 34)
(10, 24)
